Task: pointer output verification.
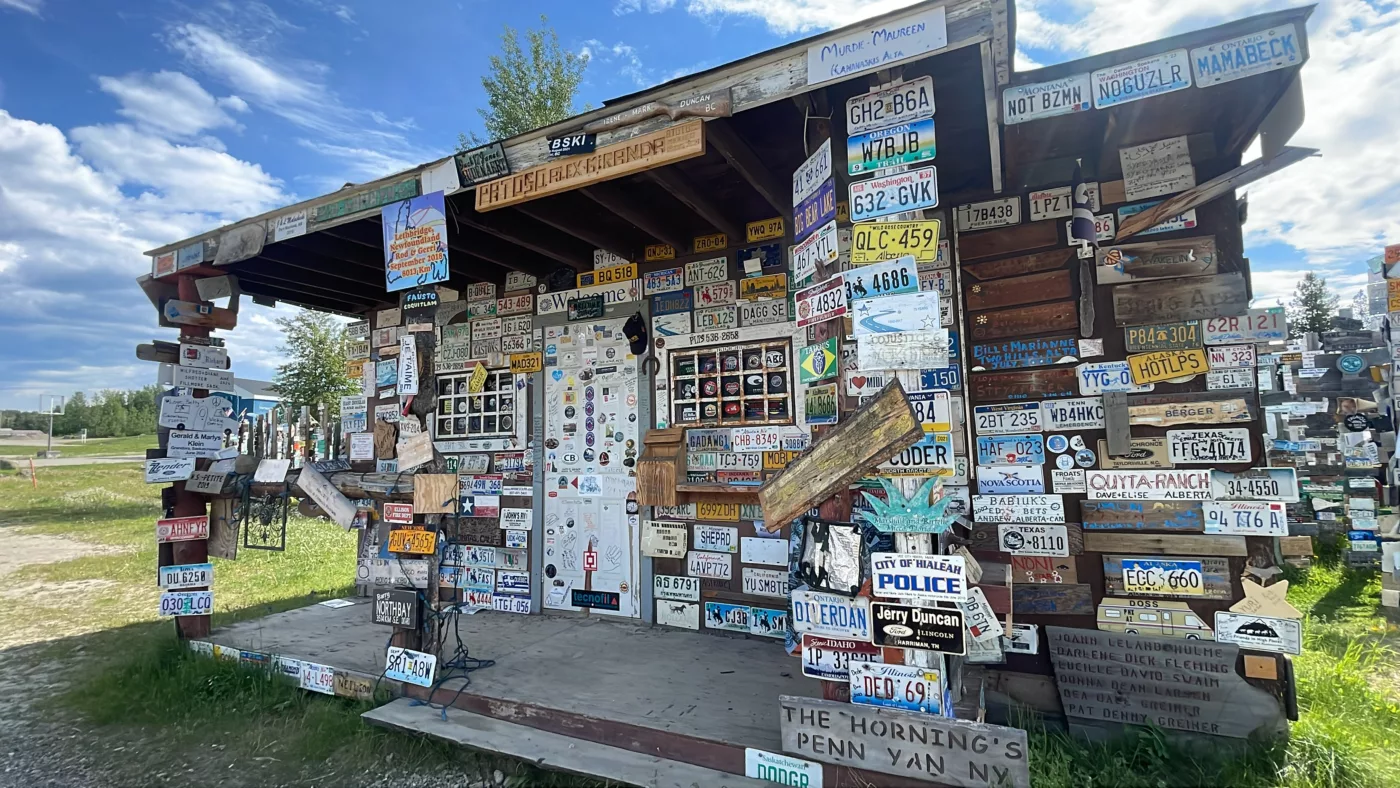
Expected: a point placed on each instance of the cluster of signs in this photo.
(411, 667)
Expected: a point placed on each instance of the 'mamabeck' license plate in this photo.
(907, 191)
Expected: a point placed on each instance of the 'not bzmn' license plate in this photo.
(907, 191)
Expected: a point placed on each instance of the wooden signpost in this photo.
(1032, 384)
(1017, 266)
(882, 428)
(1164, 544)
(1026, 320)
(1192, 298)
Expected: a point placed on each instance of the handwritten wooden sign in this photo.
(1021, 321)
(1157, 260)
(1192, 298)
(1227, 411)
(1033, 384)
(1043, 569)
(1031, 289)
(1022, 353)
(1017, 266)
(710, 104)
(881, 429)
(1110, 677)
(1185, 398)
(1049, 599)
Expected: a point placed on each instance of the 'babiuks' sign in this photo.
(415, 242)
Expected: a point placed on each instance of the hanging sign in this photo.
(1223, 446)
(1261, 633)
(1045, 99)
(830, 615)
(1247, 518)
(931, 629)
(907, 191)
(878, 46)
(814, 211)
(415, 242)
(901, 144)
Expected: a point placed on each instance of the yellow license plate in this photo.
(413, 541)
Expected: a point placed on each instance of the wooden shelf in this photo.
(720, 489)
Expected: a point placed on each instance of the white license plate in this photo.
(716, 318)
(735, 461)
(1209, 446)
(880, 109)
(413, 667)
(907, 191)
(1008, 419)
(829, 659)
(1245, 517)
(985, 215)
(187, 576)
(187, 603)
(1232, 357)
(676, 587)
(1230, 379)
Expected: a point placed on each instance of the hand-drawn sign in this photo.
(1164, 485)
(709, 104)
(1262, 633)
(1018, 508)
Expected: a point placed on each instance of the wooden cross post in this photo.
(188, 504)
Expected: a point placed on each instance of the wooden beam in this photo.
(529, 234)
(507, 255)
(681, 188)
(336, 247)
(644, 218)
(301, 298)
(748, 164)
(593, 236)
(280, 275)
(316, 264)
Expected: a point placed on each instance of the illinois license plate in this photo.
(896, 686)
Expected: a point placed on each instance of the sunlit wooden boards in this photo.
(1190, 298)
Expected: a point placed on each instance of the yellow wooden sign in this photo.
(416, 542)
(764, 230)
(771, 286)
(1167, 364)
(1392, 295)
(717, 511)
(711, 243)
(525, 363)
(655, 252)
(638, 154)
(843, 212)
(355, 369)
(478, 378)
(874, 242)
(607, 276)
(349, 686)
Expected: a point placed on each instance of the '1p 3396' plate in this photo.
(830, 659)
(907, 191)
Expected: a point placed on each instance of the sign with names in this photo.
(1149, 485)
(1046, 99)
(906, 191)
(877, 47)
(903, 350)
(1100, 377)
(1156, 168)
(1018, 508)
(188, 443)
(1140, 79)
(201, 378)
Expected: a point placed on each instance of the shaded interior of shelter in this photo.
(744, 176)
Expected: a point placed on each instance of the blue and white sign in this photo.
(830, 614)
(908, 312)
(1010, 479)
(1246, 56)
(1182, 221)
(667, 280)
(877, 47)
(186, 576)
(781, 769)
(407, 665)
(1021, 353)
(935, 578)
(947, 378)
(1010, 450)
(813, 212)
(1351, 364)
(671, 303)
(1105, 376)
(1140, 79)
(895, 277)
(902, 144)
(1007, 418)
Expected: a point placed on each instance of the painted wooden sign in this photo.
(1142, 515)
(1172, 485)
(1018, 508)
(1031, 289)
(1022, 321)
(1163, 336)
(1100, 679)
(1163, 365)
(1229, 411)
(1053, 599)
(1019, 266)
(1044, 569)
(1033, 384)
(1157, 260)
(1023, 353)
(647, 151)
(709, 104)
(810, 725)
(1191, 298)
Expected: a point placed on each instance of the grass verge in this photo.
(93, 447)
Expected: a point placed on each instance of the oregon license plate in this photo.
(187, 603)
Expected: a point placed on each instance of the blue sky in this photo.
(125, 125)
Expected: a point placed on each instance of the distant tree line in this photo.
(108, 414)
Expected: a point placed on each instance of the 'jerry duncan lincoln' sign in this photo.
(648, 151)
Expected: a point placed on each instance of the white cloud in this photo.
(622, 57)
(786, 17)
(624, 7)
(171, 104)
(76, 215)
(31, 6)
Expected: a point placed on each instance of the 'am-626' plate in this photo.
(907, 191)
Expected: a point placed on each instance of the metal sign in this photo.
(1245, 56)
(186, 576)
(1246, 518)
(1231, 379)
(903, 103)
(169, 470)
(821, 302)
(1163, 577)
(1234, 357)
(1011, 449)
(1215, 446)
(901, 144)
(923, 350)
(396, 607)
(1010, 479)
(879, 241)
(409, 666)
(572, 144)
(830, 658)
(831, 615)
(186, 603)
(1025, 539)
(1077, 413)
(483, 164)
(986, 215)
(1255, 484)
(814, 211)
(1045, 99)
(897, 686)
(676, 588)
(935, 578)
(717, 566)
(1108, 376)
(1140, 79)
(822, 247)
(907, 191)
(1163, 336)
(1145, 485)
(1023, 353)
(933, 409)
(1058, 202)
(1261, 633)
(182, 529)
(1164, 365)
(761, 313)
(931, 629)
(812, 173)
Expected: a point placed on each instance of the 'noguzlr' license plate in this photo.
(907, 191)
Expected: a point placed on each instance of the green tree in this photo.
(527, 90)
(1312, 306)
(315, 350)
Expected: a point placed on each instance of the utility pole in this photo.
(52, 411)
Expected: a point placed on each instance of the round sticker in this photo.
(1076, 443)
(1064, 462)
(569, 411)
(1084, 458)
(588, 455)
(1056, 444)
(1351, 364)
(1356, 422)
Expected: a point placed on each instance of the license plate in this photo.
(1210, 446)
(1051, 203)
(904, 103)
(946, 378)
(1173, 578)
(985, 215)
(1140, 79)
(1042, 540)
(933, 409)
(1079, 413)
(412, 541)
(823, 246)
(907, 191)
(896, 686)
(716, 318)
(761, 313)
(1245, 517)
(830, 659)
(413, 667)
(1255, 484)
(1105, 227)
(882, 279)
(1108, 376)
(187, 576)
(1232, 357)
(821, 302)
(1010, 450)
(873, 243)
(676, 587)
(904, 143)
(186, 603)
(1008, 419)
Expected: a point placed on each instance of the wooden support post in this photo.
(188, 504)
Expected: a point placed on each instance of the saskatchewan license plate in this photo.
(413, 667)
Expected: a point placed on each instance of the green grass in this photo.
(94, 447)
(1349, 712)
